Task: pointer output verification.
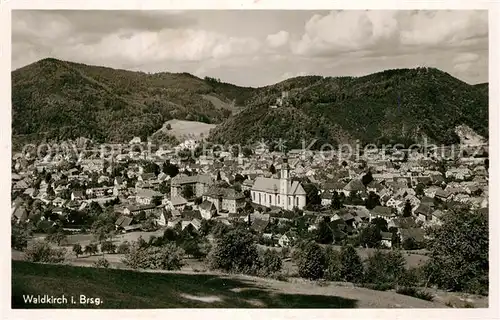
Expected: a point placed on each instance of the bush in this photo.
(414, 292)
(311, 261)
(385, 267)
(379, 286)
(351, 269)
(168, 257)
(101, 263)
(285, 252)
(123, 248)
(333, 265)
(41, 251)
(235, 251)
(269, 263)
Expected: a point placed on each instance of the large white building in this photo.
(281, 192)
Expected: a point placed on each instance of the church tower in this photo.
(284, 177)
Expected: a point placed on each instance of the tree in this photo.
(102, 229)
(91, 249)
(380, 223)
(324, 233)
(187, 191)
(336, 201)
(157, 200)
(170, 169)
(108, 246)
(370, 237)
(270, 262)
(247, 152)
(459, 252)
(77, 249)
(419, 189)
(333, 264)
(351, 266)
(372, 200)
(272, 169)
(311, 261)
(385, 268)
(407, 209)
(56, 237)
(19, 237)
(235, 251)
(367, 178)
(41, 251)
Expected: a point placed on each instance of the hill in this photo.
(54, 99)
(393, 106)
(130, 289)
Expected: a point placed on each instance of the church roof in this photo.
(272, 185)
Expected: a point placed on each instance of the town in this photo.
(264, 189)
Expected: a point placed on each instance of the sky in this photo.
(258, 48)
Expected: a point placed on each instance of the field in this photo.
(131, 289)
(185, 130)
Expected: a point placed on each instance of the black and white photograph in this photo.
(280, 159)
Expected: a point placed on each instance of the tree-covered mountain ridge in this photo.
(392, 106)
(58, 100)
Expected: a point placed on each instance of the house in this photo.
(386, 239)
(246, 185)
(326, 198)
(20, 214)
(177, 203)
(77, 195)
(163, 218)
(146, 177)
(423, 212)
(120, 183)
(402, 223)
(147, 196)
(224, 199)
(102, 179)
(207, 209)
(199, 183)
(416, 234)
(135, 210)
(355, 185)
(382, 212)
(101, 192)
(259, 225)
(282, 192)
(122, 222)
(442, 194)
(194, 223)
(287, 239)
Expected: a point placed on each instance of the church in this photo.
(282, 192)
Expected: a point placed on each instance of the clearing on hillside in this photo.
(186, 130)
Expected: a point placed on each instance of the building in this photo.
(282, 192)
(199, 183)
(146, 196)
(225, 199)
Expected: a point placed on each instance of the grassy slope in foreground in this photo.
(130, 289)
